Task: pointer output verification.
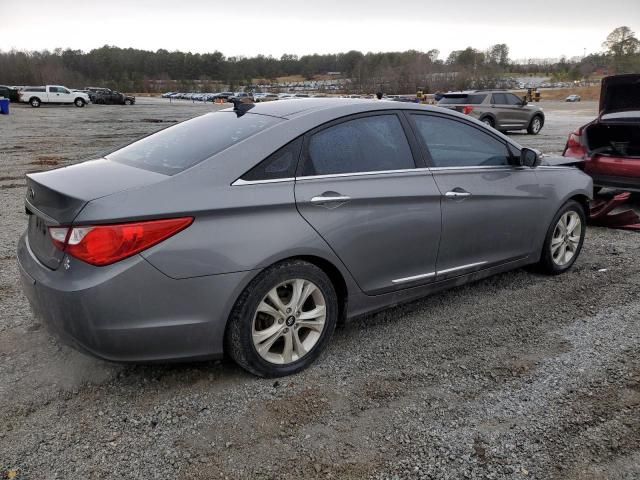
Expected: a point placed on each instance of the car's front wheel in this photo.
(79, 102)
(535, 125)
(564, 239)
(283, 319)
(128, 102)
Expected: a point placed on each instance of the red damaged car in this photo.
(610, 144)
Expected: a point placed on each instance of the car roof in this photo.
(297, 107)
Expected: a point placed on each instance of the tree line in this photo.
(130, 69)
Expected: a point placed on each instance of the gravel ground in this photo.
(517, 376)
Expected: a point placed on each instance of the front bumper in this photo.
(130, 311)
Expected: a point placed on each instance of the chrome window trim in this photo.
(361, 174)
(479, 167)
(240, 181)
(415, 277)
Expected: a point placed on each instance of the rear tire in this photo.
(488, 121)
(564, 239)
(79, 102)
(34, 102)
(535, 125)
(270, 332)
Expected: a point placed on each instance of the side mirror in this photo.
(529, 157)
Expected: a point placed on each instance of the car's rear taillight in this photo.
(467, 110)
(574, 147)
(106, 244)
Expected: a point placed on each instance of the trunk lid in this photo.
(620, 93)
(57, 196)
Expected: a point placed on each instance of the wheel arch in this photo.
(488, 115)
(583, 200)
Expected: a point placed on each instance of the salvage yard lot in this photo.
(516, 376)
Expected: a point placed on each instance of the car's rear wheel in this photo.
(282, 320)
(488, 121)
(34, 102)
(564, 239)
(535, 125)
(78, 102)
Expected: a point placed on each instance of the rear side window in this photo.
(471, 99)
(177, 148)
(366, 144)
(281, 164)
(456, 144)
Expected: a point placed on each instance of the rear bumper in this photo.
(129, 311)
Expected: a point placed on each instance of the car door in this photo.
(518, 111)
(489, 206)
(359, 187)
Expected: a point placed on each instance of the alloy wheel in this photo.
(289, 321)
(566, 238)
(536, 125)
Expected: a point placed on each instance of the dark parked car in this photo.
(254, 230)
(107, 96)
(499, 109)
(610, 144)
(11, 93)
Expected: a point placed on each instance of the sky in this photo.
(541, 29)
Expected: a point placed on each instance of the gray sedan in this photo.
(254, 230)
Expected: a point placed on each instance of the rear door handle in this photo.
(457, 194)
(336, 198)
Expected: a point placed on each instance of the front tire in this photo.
(128, 102)
(283, 320)
(564, 239)
(34, 102)
(535, 125)
(79, 102)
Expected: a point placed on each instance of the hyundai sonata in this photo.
(252, 231)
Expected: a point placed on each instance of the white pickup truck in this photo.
(35, 96)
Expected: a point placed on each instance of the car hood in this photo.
(620, 93)
(553, 161)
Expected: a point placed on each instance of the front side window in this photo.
(367, 144)
(513, 100)
(499, 99)
(456, 144)
(177, 148)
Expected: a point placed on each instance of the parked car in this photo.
(223, 95)
(497, 108)
(11, 93)
(54, 94)
(168, 94)
(610, 144)
(265, 97)
(223, 234)
(107, 96)
(573, 98)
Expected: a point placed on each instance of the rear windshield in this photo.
(474, 99)
(177, 148)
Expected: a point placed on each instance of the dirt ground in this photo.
(518, 376)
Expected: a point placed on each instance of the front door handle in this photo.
(457, 194)
(333, 198)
